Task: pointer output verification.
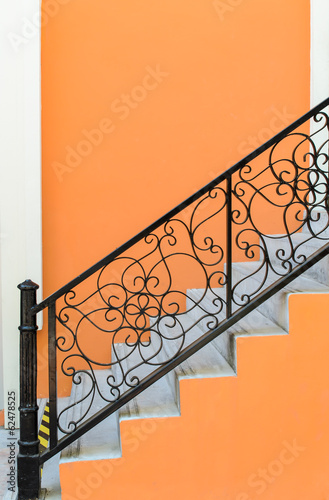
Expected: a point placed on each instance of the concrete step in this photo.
(133, 363)
(318, 224)
(130, 365)
(159, 400)
(255, 323)
(184, 329)
(92, 445)
(208, 362)
(284, 251)
(250, 277)
(50, 481)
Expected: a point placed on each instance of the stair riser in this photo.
(226, 345)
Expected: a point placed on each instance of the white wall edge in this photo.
(20, 184)
(319, 51)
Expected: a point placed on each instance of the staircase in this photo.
(217, 359)
(158, 330)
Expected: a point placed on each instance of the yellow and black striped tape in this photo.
(44, 431)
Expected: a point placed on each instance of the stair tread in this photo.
(254, 323)
(298, 237)
(248, 282)
(103, 441)
(207, 362)
(147, 403)
(93, 445)
(301, 283)
(301, 245)
(300, 242)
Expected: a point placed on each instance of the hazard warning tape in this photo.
(44, 431)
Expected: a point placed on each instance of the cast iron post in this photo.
(28, 468)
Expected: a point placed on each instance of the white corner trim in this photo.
(20, 177)
(319, 51)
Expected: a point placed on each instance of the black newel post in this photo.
(28, 469)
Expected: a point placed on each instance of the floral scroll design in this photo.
(292, 187)
(138, 306)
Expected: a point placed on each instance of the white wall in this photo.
(319, 70)
(20, 171)
(319, 51)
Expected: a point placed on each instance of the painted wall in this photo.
(319, 51)
(142, 104)
(188, 90)
(145, 102)
(20, 177)
(263, 434)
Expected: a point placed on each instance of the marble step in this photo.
(170, 334)
(103, 441)
(92, 445)
(50, 481)
(207, 362)
(318, 224)
(250, 276)
(134, 363)
(254, 324)
(300, 246)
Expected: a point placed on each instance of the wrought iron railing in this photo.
(135, 304)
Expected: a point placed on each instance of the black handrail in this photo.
(191, 199)
(136, 299)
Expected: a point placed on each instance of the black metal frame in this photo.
(294, 184)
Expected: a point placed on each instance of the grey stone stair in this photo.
(204, 310)
(92, 445)
(208, 362)
(103, 441)
(157, 400)
(249, 276)
(255, 323)
(300, 246)
(51, 487)
(319, 225)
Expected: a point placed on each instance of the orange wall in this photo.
(226, 82)
(263, 434)
(122, 145)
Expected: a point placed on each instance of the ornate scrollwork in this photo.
(292, 187)
(137, 308)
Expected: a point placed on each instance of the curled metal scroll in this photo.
(137, 308)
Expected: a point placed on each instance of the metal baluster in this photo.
(52, 362)
(229, 247)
